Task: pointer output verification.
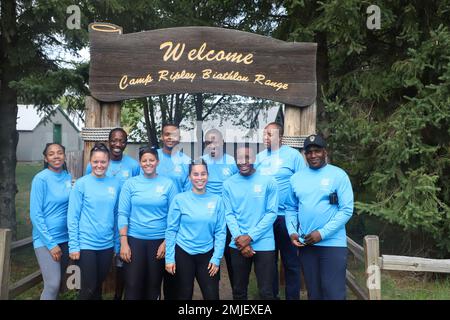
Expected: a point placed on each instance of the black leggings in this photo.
(189, 267)
(144, 274)
(94, 267)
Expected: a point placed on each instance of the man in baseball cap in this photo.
(320, 204)
(314, 140)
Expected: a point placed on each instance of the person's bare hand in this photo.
(296, 241)
(242, 241)
(313, 237)
(248, 252)
(56, 253)
(170, 268)
(125, 252)
(212, 269)
(161, 251)
(74, 255)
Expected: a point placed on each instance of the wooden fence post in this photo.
(373, 268)
(93, 120)
(5, 244)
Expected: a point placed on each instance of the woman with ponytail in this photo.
(49, 200)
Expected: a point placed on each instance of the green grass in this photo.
(24, 176)
(397, 285)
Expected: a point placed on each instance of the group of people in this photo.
(168, 220)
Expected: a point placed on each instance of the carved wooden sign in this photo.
(197, 60)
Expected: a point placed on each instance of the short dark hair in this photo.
(99, 147)
(169, 124)
(198, 162)
(116, 130)
(147, 149)
(278, 125)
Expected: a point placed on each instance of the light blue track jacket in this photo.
(309, 209)
(49, 201)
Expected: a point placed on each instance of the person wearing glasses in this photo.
(92, 223)
(143, 208)
(195, 237)
(281, 162)
(221, 166)
(251, 205)
(123, 167)
(319, 204)
(49, 198)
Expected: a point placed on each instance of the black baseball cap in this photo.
(314, 140)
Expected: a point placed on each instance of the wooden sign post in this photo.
(197, 60)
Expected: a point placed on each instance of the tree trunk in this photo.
(8, 114)
(149, 122)
(198, 149)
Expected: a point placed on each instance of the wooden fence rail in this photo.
(6, 247)
(374, 264)
(369, 254)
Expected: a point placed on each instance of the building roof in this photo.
(28, 118)
(232, 133)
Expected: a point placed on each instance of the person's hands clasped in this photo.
(212, 269)
(248, 252)
(242, 241)
(56, 253)
(161, 253)
(296, 241)
(313, 238)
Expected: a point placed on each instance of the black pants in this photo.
(227, 256)
(94, 267)
(195, 266)
(144, 274)
(290, 260)
(169, 286)
(325, 272)
(264, 265)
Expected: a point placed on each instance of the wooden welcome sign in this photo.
(197, 60)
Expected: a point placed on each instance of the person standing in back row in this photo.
(173, 164)
(251, 204)
(221, 166)
(319, 204)
(281, 162)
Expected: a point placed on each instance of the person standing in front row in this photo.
(251, 204)
(173, 164)
(319, 205)
(92, 223)
(49, 198)
(143, 208)
(281, 162)
(195, 237)
(221, 166)
(122, 167)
